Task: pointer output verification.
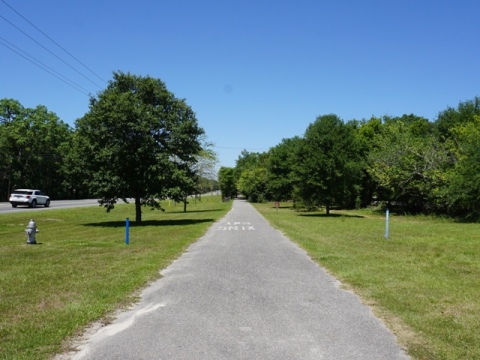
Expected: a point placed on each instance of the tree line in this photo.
(406, 163)
(137, 141)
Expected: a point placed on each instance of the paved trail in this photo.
(244, 291)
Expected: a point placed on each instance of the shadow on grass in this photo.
(282, 207)
(333, 215)
(179, 222)
(193, 211)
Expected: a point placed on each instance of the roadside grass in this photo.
(424, 281)
(81, 270)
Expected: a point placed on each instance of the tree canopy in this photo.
(226, 179)
(132, 139)
(139, 141)
(326, 166)
(251, 175)
(281, 162)
(408, 163)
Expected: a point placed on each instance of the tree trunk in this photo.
(185, 204)
(138, 211)
(328, 209)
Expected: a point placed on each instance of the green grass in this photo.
(424, 281)
(81, 269)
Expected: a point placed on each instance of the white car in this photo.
(29, 197)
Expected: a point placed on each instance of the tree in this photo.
(188, 175)
(281, 162)
(185, 181)
(205, 169)
(11, 110)
(129, 138)
(253, 184)
(251, 175)
(327, 172)
(458, 132)
(463, 192)
(33, 144)
(450, 118)
(208, 185)
(246, 160)
(408, 163)
(226, 179)
(366, 132)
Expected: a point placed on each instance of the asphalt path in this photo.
(243, 291)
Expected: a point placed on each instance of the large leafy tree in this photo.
(327, 171)
(408, 163)
(463, 192)
(129, 142)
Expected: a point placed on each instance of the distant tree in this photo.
(253, 184)
(226, 179)
(33, 145)
(366, 132)
(128, 140)
(246, 160)
(251, 175)
(187, 175)
(327, 171)
(184, 184)
(12, 115)
(205, 170)
(281, 162)
(77, 169)
(206, 185)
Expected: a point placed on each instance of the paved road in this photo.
(244, 291)
(6, 207)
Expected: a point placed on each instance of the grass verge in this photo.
(81, 269)
(423, 281)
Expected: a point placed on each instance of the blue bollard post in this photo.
(127, 232)
(386, 224)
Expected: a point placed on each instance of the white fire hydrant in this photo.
(31, 231)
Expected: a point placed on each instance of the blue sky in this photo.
(254, 72)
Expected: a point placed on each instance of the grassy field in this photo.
(424, 281)
(81, 269)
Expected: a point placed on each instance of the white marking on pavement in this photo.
(237, 226)
(111, 330)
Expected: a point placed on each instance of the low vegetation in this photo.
(81, 269)
(423, 281)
